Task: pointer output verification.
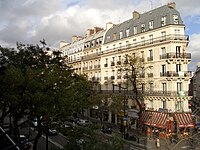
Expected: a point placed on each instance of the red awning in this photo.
(184, 119)
(156, 119)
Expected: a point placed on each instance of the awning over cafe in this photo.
(184, 119)
(156, 119)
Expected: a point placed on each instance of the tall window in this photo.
(142, 27)
(179, 87)
(151, 87)
(120, 34)
(163, 21)
(178, 51)
(143, 87)
(150, 39)
(150, 55)
(175, 19)
(164, 88)
(114, 36)
(178, 67)
(127, 32)
(177, 34)
(143, 40)
(135, 30)
(150, 25)
(163, 36)
(179, 106)
(163, 73)
(151, 104)
(164, 104)
(163, 53)
(127, 44)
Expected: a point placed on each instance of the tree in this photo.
(133, 69)
(36, 84)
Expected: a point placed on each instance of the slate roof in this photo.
(154, 15)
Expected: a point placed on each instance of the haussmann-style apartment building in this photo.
(158, 37)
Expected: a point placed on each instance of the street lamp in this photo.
(124, 131)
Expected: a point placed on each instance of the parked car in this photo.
(73, 119)
(52, 132)
(82, 122)
(24, 143)
(106, 129)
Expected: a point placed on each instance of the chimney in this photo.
(97, 29)
(109, 25)
(172, 5)
(74, 38)
(63, 43)
(136, 15)
(89, 32)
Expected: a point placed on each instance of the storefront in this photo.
(166, 123)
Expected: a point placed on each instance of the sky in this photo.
(29, 21)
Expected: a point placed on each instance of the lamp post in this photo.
(124, 131)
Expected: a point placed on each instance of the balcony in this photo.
(90, 67)
(142, 75)
(105, 65)
(176, 55)
(118, 62)
(112, 77)
(176, 74)
(85, 68)
(150, 58)
(95, 79)
(119, 77)
(112, 63)
(147, 93)
(105, 78)
(96, 66)
(150, 75)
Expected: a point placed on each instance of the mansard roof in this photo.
(154, 15)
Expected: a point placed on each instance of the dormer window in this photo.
(175, 19)
(150, 25)
(120, 34)
(108, 37)
(127, 32)
(163, 21)
(142, 27)
(135, 30)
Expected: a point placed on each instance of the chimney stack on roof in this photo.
(172, 5)
(76, 38)
(97, 29)
(136, 15)
(109, 25)
(63, 43)
(89, 32)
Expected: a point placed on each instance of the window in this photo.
(164, 88)
(120, 34)
(120, 45)
(134, 42)
(113, 46)
(150, 25)
(179, 106)
(143, 40)
(164, 105)
(142, 27)
(127, 32)
(163, 36)
(163, 71)
(135, 30)
(151, 39)
(151, 87)
(127, 44)
(175, 19)
(108, 37)
(177, 34)
(163, 21)
(143, 87)
(150, 55)
(163, 53)
(178, 67)
(178, 51)
(114, 36)
(179, 87)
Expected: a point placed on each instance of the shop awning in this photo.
(184, 119)
(156, 119)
